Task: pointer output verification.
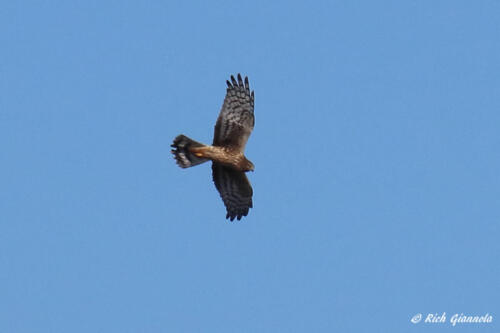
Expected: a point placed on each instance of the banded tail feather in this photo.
(183, 156)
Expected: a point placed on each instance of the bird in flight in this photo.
(234, 125)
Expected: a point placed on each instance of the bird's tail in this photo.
(183, 155)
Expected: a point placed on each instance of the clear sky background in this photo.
(376, 146)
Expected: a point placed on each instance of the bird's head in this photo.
(248, 166)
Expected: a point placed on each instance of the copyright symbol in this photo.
(416, 318)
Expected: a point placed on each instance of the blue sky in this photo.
(376, 146)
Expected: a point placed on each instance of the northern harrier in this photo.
(233, 127)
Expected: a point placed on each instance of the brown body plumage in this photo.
(226, 156)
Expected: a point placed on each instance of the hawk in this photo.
(234, 125)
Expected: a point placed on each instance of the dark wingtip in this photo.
(231, 216)
(233, 80)
(246, 82)
(237, 215)
(229, 85)
(240, 80)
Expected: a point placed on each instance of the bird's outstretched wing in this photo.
(236, 119)
(235, 190)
